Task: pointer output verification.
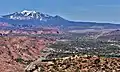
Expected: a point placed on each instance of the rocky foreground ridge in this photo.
(78, 64)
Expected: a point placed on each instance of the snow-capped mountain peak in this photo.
(28, 15)
(33, 17)
(28, 12)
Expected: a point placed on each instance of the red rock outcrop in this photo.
(17, 51)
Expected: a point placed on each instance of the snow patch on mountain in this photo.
(28, 12)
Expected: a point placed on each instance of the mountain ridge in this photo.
(34, 19)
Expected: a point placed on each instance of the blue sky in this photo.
(79, 10)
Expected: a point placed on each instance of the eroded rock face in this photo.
(16, 52)
(29, 32)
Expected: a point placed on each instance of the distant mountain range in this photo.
(27, 18)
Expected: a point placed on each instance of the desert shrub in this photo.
(19, 60)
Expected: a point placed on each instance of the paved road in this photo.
(32, 64)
